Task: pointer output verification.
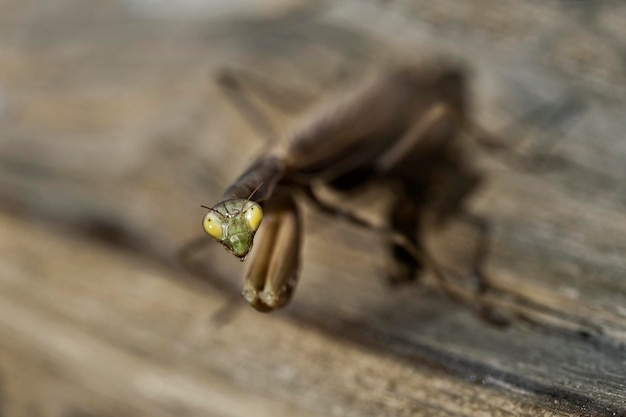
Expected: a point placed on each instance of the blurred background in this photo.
(113, 132)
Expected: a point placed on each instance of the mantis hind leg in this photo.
(252, 94)
(412, 257)
(404, 219)
(436, 179)
(481, 250)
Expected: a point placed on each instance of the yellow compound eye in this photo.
(254, 215)
(213, 226)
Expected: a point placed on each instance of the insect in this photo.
(402, 126)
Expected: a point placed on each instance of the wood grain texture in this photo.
(113, 134)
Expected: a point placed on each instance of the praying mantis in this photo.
(403, 126)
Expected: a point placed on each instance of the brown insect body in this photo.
(400, 126)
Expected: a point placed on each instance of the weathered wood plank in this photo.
(112, 334)
(111, 127)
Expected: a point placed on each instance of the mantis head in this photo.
(233, 223)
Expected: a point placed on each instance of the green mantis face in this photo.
(233, 223)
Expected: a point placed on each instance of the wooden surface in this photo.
(112, 134)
